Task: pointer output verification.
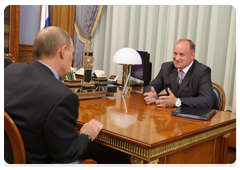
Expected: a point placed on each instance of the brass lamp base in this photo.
(126, 71)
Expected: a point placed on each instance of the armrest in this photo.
(75, 163)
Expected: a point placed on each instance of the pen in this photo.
(69, 78)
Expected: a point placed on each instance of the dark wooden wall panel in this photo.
(25, 53)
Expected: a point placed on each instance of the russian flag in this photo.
(45, 17)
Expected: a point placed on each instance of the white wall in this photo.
(29, 23)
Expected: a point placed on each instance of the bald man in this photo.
(44, 110)
(192, 86)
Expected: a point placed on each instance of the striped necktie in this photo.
(180, 77)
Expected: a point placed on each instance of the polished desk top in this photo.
(129, 119)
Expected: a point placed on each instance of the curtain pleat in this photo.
(157, 28)
(86, 20)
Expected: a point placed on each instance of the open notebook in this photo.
(194, 113)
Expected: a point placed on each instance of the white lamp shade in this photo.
(127, 56)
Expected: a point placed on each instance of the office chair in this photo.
(219, 97)
(8, 59)
(14, 150)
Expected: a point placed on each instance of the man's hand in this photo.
(167, 101)
(92, 128)
(151, 96)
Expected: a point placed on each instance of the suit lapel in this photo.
(173, 81)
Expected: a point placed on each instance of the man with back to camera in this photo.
(192, 86)
(44, 109)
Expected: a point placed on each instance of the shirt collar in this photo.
(185, 70)
(53, 71)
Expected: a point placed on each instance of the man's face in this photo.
(182, 56)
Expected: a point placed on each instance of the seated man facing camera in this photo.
(45, 110)
(187, 82)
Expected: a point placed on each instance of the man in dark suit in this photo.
(45, 110)
(187, 82)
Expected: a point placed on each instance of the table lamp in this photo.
(127, 57)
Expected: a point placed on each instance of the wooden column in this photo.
(63, 16)
(14, 30)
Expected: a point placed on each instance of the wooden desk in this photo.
(151, 135)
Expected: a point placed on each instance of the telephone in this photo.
(99, 73)
(113, 78)
(80, 71)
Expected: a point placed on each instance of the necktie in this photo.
(180, 77)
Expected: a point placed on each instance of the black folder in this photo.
(194, 113)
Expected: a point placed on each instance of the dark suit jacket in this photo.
(196, 88)
(45, 112)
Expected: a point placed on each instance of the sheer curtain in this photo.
(86, 20)
(157, 28)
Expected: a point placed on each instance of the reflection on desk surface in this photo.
(128, 116)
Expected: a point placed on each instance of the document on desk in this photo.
(194, 113)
